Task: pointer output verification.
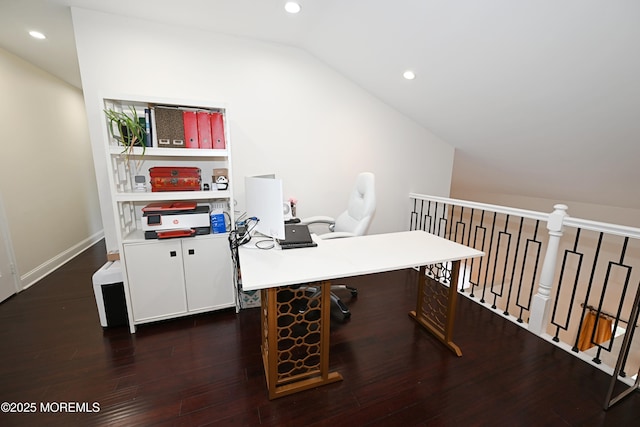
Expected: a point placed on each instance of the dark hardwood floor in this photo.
(207, 369)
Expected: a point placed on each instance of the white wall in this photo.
(47, 179)
(289, 114)
(609, 214)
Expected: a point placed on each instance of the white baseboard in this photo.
(48, 267)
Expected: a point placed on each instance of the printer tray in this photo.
(165, 234)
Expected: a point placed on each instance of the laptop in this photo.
(296, 236)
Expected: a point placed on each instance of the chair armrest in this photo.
(336, 235)
(317, 220)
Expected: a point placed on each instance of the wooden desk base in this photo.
(436, 306)
(295, 338)
(296, 326)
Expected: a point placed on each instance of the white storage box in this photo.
(108, 288)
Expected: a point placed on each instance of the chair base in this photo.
(338, 308)
(343, 311)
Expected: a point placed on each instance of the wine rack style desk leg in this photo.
(436, 306)
(295, 338)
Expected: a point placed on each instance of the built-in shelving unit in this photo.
(174, 277)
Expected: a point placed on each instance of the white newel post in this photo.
(541, 303)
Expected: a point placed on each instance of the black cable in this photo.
(236, 240)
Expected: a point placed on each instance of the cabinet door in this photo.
(208, 273)
(156, 281)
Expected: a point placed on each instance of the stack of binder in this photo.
(185, 128)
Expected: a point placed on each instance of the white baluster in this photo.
(542, 299)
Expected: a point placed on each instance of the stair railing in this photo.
(547, 282)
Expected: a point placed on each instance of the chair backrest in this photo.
(362, 205)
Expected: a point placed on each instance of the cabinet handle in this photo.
(192, 251)
(172, 253)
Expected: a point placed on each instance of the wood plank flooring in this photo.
(207, 369)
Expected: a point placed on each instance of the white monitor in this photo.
(263, 197)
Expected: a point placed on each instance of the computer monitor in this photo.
(264, 200)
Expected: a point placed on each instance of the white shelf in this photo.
(158, 196)
(169, 152)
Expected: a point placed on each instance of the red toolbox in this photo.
(169, 178)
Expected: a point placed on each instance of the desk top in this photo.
(354, 256)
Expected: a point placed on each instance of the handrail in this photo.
(542, 216)
(586, 224)
(615, 229)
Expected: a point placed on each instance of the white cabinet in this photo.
(207, 263)
(173, 277)
(156, 280)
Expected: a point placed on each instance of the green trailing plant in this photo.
(127, 129)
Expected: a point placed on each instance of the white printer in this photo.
(175, 219)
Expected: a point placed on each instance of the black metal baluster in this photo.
(497, 261)
(525, 257)
(488, 256)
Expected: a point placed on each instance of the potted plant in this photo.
(127, 128)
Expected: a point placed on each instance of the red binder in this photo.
(217, 131)
(190, 129)
(204, 130)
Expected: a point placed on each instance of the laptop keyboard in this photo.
(298, 245)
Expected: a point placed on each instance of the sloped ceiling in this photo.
(541, 98)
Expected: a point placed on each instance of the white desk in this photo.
(300, 337)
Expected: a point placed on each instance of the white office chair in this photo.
(352, 222)
(356, 219)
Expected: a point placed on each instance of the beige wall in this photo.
(602, 213)
(47, 179)
(289, 114)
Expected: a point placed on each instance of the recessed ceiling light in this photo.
(292, 7)
(409, 75)
(37, 35)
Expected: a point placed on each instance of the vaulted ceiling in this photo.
(541, 98)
